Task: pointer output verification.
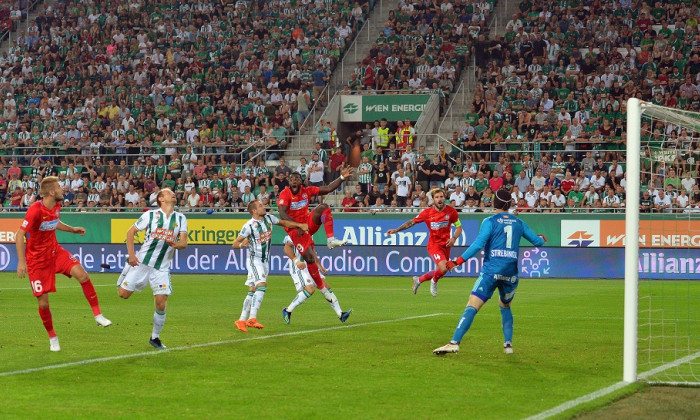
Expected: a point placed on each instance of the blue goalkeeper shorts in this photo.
(486, 284)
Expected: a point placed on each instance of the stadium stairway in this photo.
(22, 25)
(454, 118)
(358, 50)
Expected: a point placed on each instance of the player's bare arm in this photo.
(71, 229)
(283, 213)
(240, 242)
(345, 172)
(291, 224)
(457, 233)
(20, 237)
(407, 225)
(181, 242)
(133, 261)
(289, 252)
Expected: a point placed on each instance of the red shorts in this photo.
(439, 253)
(305, 240)
(42, 276)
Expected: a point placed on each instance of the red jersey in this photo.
(40, 225)
(297, 204)
(439, 224)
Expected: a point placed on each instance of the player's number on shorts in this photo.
(509, 235)
(36, 286)
(437, 257)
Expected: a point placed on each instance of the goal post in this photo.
(634, 124)
(662, 288)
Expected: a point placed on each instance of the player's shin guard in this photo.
(298, 299)
(45, 314)
(507, 322)
(91, 296)
(327, 221)
(465, 322)
(313, 271)
(427, 276)
(246, 306)
(158, 322)
(257, 301)
(332, 300)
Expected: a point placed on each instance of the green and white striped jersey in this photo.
(259, 234)
(155, 252)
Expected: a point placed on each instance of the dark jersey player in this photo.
(43, 257)
(293, 205)
(439, 218)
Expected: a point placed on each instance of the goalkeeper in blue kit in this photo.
(499, 236)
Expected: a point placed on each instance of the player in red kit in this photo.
(293, 205)
(44, 257)
(439, 218)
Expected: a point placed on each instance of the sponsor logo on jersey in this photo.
(48, 226)
(163, 234)
(439, 225)
(299, 204)
(265, 237)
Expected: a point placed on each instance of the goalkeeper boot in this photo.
(508, 347)
(240, 324)
(53, 344)
(253, 322)
(416, 284)
(433, 287)
(447, 348)
(286, 316)
(345, 315)
(155, 342)
(102, 321)
(334, 243)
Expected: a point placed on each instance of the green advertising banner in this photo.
(359, 108)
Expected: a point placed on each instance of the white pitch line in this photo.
(578, 401)
(215, 343)
(609, 390)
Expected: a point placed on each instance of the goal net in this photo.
(662, 268)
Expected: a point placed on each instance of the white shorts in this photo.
(257, 272)
(301, 278)
(136, 279)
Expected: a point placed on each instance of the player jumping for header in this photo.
(499, 236)
(293, 205)
(439, 218)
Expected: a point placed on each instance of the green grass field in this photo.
(568, 342)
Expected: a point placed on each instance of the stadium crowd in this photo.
(122, 100)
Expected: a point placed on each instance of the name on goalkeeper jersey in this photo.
(503, 253)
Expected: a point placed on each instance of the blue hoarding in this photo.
(403, 261)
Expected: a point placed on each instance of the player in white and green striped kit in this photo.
(256, 235)
(364, 175)
(166, 231)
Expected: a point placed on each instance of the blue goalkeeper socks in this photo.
(507, 322)
(465, 322)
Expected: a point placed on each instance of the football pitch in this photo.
(568, 343)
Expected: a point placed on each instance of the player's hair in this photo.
(46, 184)
(437, 190)
(160, 195)
(502, 200)
(251, 206)
(295, 173)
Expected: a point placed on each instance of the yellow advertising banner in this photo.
(199, 231)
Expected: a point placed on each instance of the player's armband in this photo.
(458, 223)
